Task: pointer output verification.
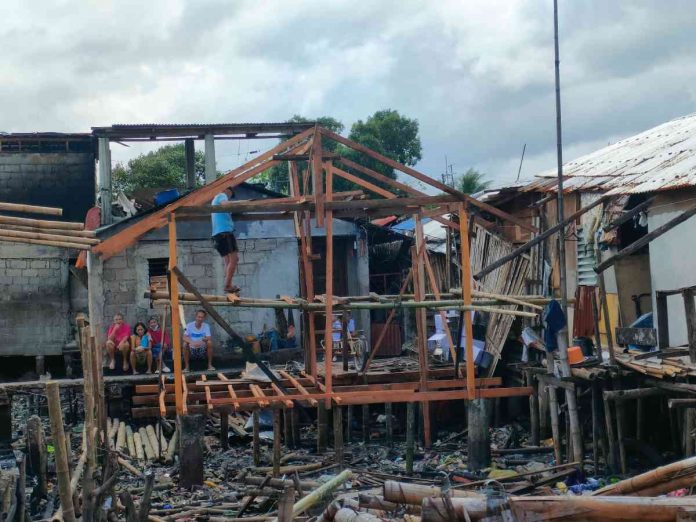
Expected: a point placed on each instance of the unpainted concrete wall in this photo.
(267, 267)
(34, 300)
(35, 304)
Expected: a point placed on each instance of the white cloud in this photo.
(478, 75)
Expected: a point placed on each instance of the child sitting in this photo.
(141, 348)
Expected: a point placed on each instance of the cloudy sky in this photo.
(478, 75)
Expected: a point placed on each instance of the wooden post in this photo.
(276, 442)
(36, 449)
(575, 429)
(256, 447)
(620, 434)
(285, 505)
(287, 427)
(662, 320)
(224, 430)
(328, 329)
(366, 423)
(639, 418)
(479, 443)
(609, 422)
(62, 468)
(410, 436)
(605, 309)
(338, 435)
(533, 408)
(191, 431)
(389, 425)
(688, 429)
(595, 427)
(466, 297)
(553, 412)
(295, 418)
(595, 320)
(322, 427)
(176, 323)
(344, 340)
(690, 312)
(349, 423)
(421, 328)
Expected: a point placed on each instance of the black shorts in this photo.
(225, 243)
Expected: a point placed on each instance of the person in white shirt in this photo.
(198, 343)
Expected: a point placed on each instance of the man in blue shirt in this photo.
(224, 240)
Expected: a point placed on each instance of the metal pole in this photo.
(559, 155)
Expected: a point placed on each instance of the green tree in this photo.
(162, 168)
(472, 181)
(386, 132)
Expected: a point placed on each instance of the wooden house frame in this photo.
(312, 197)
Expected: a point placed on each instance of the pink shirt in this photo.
(122, 333)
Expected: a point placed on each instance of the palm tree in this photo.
(472, 181)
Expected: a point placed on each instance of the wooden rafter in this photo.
(125, 238)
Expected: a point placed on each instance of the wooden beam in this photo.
(418, 252)
(157, 219)
(318, 177)
(364, 184)
(425, 179)
(646, 239)
(537, 239)
(297, 385)
(626, 216)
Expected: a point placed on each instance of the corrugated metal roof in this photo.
(661, 158)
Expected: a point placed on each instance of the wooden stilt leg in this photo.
(224, 430)
(322, 427)
(410, 436)
(276, 442)
(287, 427)
(389, 426)
(295, 416)
(639, 418)
(609, 422)
(256, 446)
(595, 428)
(553, 413)
(366, 422)
(533, 409)
(349, 423)
(338, 434)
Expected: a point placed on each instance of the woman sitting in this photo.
(141, 348)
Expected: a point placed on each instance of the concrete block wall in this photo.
(267, 267)
(64, 180)
(34, 300)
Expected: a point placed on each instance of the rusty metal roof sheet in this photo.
(661, 158)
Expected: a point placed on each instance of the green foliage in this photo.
(277, 178)
(162, 168)
(472, 181)
(386, 132)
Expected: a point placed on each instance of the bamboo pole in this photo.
(171, 448)
(31, 209)
(147, 446)
(130, 442)
(38, 223)
(553, 412)
(121, 437)
(658, 481)
(322, 491)
(62, 468)
(407, 493)
(137, 441)
(59, 237)
(57, 231)
(61, 244)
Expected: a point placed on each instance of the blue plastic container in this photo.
(166, 196)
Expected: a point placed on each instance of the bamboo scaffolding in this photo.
(60, 237)
(344, 304)
(62, 244)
